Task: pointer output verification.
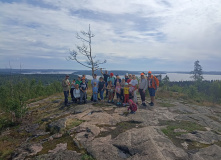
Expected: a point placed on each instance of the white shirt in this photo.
(77, 93)
(134, 82)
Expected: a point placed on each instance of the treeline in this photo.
(16, 90)
(45, 79)
(197, 90)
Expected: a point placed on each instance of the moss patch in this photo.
(87, 157)
(119, 128)
(101, 104)
(214, 118)
(184, 125)
(50, 145)
(9, 142)
(71, 123)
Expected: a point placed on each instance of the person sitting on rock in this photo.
(132, 107)
(77, 94)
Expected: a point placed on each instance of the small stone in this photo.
(179, 130)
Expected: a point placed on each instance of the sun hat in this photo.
(149, 72)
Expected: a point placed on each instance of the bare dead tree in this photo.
(86, 51)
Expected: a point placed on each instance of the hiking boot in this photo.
(151, 104)
(144, 104)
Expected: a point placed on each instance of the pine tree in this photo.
(197, 73)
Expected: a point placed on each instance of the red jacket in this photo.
(132, 107)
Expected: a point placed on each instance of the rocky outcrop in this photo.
(104, 131)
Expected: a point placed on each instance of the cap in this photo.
(126, 83)
(149, 72)
(142, 74)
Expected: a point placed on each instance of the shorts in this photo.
(151, 92)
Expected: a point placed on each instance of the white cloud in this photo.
(155, 29)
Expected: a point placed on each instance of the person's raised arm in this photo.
(102, 72)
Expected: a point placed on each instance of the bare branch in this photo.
(85, 50)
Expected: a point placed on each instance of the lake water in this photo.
(174, 77)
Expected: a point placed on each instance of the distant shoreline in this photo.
(88, 72)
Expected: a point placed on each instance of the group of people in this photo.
(124, 89)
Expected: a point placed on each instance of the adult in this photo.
(101, 87)
(106, 75)
(130, 78)
(117, 80)
(153, 84)
(78, 81)
(72, 89)
(111, 78)
(142, 88)
(134, 84)
(94, 80)
(83, 88)
(66, 86)
(126, 77)
(86, 80)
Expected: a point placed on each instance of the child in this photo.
(134, 83)
(118, 93)
(110, 91)
(77, 94)
(95, 90)
(101, 87)
(126, 94)
(132, 107)
(122, 84)
(131, 91)
(83, 88)
(72, 89)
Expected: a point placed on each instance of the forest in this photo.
(17, 90)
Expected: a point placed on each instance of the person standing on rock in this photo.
(134, 83)
(112, 79)
(78, 81)
(153, 84)
(83, 88)
(142, 88)
(106, 75)
(66, 86)
(101, 87)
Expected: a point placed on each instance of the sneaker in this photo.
(151, 104)
(144, 104)
(132, 112)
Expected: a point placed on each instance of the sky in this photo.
(142, 35)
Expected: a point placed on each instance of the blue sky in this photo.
(157, 35)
